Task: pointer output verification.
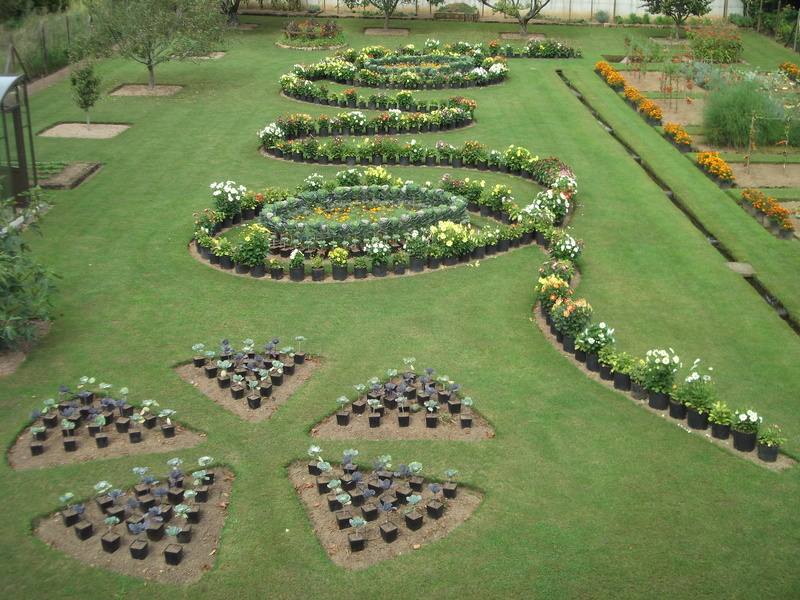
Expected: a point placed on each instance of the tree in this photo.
(679, 10)
(152, 32)
(26, 287)
(387, 7)
(521, 10)
(86, 86)
(230, 8)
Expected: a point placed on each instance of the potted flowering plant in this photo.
(659, 375)
(570, 317)
(721, 419)
(696, 392)
(769, 440)
(379, 253)
(296, 265)
(745, 429)
(417, 245)
(591, 340)
(338, 258)
(550, 289)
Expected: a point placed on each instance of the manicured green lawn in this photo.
(586, 495)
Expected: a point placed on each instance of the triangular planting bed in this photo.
(326, 522)
(195, 547)
(278, 394)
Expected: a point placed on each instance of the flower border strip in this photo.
(768, 212)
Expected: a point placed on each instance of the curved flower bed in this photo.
(311, 35)
(768, 211)
(393, 121)
(302, 218)
(437, 67)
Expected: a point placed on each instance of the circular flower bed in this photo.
(312, 35)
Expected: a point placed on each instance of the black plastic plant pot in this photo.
(299, 358)
(175, 495)
(202, 493)
(173, 554)
(414, 520)
(168, 431)
(322, 484)
(288, 369)
(343, 519)
(37, 448)
(146, 502)
(404, 420)
(450, 489)
(356, 541)
(333, 503)
(209, 478)
(431, 421)
(139, 549)
(198, 361)
(313, 469)
(193, 515)
(122, 424)
(374, 421)
(83, 530)
(416, 483)
(155, 531)
(70, 445)
(265, 389)
(185, 535)
(454, 406)
(104, 503)
(253, 402)
(276, 378)
(110, 542)
(117, 511)
(150, 421)
(369, 512)
(466, 421)
(211, 371)
(388, 532)
(359, 406)
(135, 436)
(435, 509)
(343, 418)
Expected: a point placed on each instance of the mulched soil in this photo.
(96, 131)
(130, 89)
(222, 396)
(783, 462)
(335, 541)
(71, 176)
(198, 555)
(19, 456)
(10, 359)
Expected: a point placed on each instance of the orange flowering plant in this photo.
(712, 163)
(570, 316)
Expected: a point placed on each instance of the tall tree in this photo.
(387, 7)
(521, 10)
(230, 8)
(679, 10)
(152, 32)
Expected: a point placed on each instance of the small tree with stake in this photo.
(387, 7)
(85, 87)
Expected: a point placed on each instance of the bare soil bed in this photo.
(20, 458)
(198, 555)
(335, 540)
(222, 396)
(762, 175)
(71, 176)
(783, 462)
(10, 359)
(130, 89)
(97, 131)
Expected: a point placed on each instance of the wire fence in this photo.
(41, 44)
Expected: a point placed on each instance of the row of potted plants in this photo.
(716, 168)
(355, 122)
(376, 66)
(150, 510)
(546, 48)
(653, 377)
(405, 101)
(248, 370)
(405, 394)
(768, 212)
(74, 409)
(357, 497)
(649, 110)
(678, 136)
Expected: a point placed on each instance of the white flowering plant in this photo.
(227, 197)
(659, 371)
(747, 420)
(378, 251)
(696, 391)
(595, 337)
(563, 246)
